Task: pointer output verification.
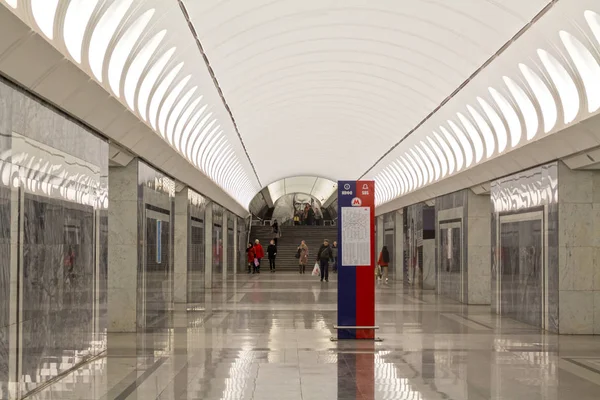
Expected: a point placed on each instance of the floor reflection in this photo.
(267, 338)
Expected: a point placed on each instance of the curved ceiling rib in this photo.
(140, 53)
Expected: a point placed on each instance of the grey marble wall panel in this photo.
(450, 258)
(5, 264)
(521, 271)
(534, 190)
(196, 253)
(62, 262)
(58, 274)
(156, 210)
(217, 243)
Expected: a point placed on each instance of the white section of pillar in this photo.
(182, 245)
(123, 248)
(208, 246)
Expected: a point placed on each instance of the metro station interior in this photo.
(146, 145)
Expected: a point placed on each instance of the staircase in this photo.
(287, 245)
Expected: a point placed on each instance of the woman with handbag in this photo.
(251, 258)
(302, 255)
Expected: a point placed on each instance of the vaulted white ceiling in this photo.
(407, 92)
(326, 87)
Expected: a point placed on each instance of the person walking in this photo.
(272, 253)
(334, 258)
(250, 257)
(323, 256)
(383, 262)
(259, 253)
(302, 256)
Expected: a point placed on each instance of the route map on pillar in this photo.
(356, 236)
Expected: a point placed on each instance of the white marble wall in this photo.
(479, 251)
(579, 251)
(182, 240)
(123, 248)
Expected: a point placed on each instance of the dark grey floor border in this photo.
(582, 365)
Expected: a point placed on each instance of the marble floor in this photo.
(268, 337)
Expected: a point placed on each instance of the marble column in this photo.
(224, 259)
(479, 249)
(579, 251)
(236, 246)
(208, 249)
(182, 242)
(123, 248)
(399, 245)
(380, 232)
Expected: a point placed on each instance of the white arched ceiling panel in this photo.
(158, 96)
(593, 20)
(567, 90)
(543, 96)
(432, 159)
(422, 167)
(167, 106)
(419, 181)
(428, 164)
(123, 49)
(486, 132)
(12, 3)
(103, 33)
(473, 135)
(440, 155)
(141, 61)
(510, 115)
(177, 112)
(458, 154)
(44, 12)
(448, 155)
(464, 143)
(526, 107)
(186, 117)
(587, 66)
(150, 81)
(499, 128)
(76, 21)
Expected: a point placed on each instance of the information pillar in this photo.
(356, 260)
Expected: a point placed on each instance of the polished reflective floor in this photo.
(268, 337)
